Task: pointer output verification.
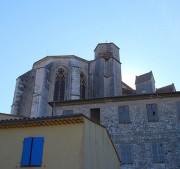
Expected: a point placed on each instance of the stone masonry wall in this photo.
(140, 133)
(146, 87)
(22, 101)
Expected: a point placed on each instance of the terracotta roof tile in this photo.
(144, 77)
(166, 89)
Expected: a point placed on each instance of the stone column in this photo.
(75, 83)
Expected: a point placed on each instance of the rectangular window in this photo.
(67, 112)
(95, 115)
(126, 154)
(158, 152)
(32, 151)
(178, 109)
(123, 114)
(152, 112)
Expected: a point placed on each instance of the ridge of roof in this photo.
(48, 120)
(58, 57)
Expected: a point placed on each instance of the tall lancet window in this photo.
(59, 89)
(82, 86)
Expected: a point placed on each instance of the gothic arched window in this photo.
(82, 86)
(59, 88)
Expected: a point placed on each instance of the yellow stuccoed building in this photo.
(60, 142)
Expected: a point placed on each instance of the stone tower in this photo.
(105, 71)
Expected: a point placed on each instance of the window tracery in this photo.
(59, 89)
(82, 86)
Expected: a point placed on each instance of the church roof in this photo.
(166, 89)
(127, 90)
(143, 78)
(49, 59)
(111, 43)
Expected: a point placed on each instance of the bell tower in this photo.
(107, 81)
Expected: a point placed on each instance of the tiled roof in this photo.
(125, 86)
(166, 89)
(41, 121)
(127, 90)
(115, 99)
(144, 77)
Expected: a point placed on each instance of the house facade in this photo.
(72, 142)
(145, 129)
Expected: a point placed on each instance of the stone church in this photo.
(144, 123)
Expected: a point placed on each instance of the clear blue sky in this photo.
(148, 33)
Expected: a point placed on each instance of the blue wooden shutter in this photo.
(123, 153)
(149, 112)
(126, 156)
(121, 114)
(154, 151)
(178, 109)
(155, 110)
(158, 152)
(37, 151)
(26, 153)
(126, 114)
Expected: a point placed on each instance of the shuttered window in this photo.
(123, 114)
(32, 151)
(152, 112)
(126, 154)
(178, 109)
(158, 152)
(67, 112)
